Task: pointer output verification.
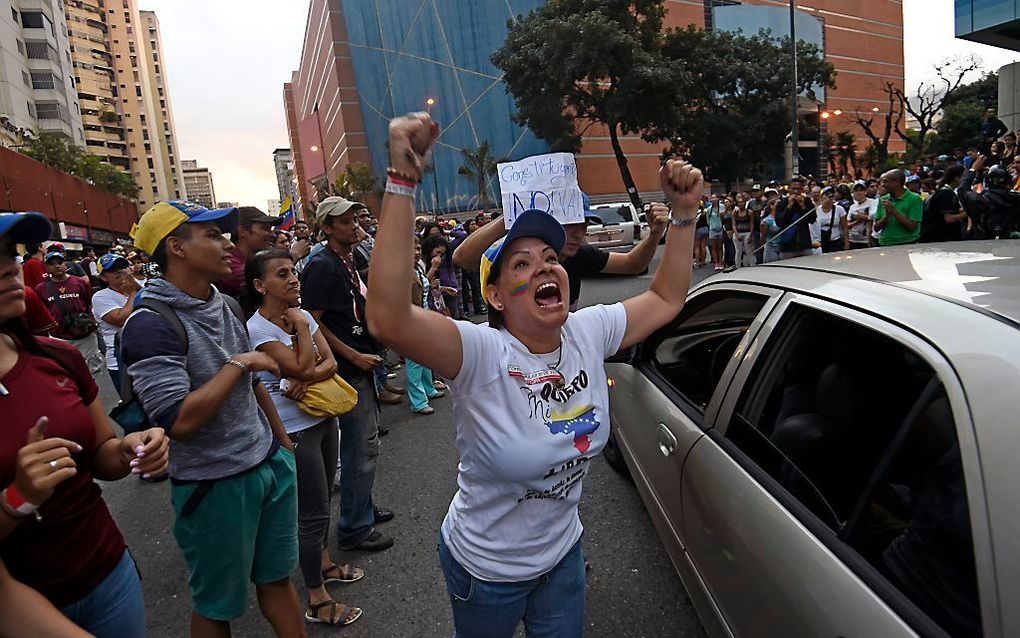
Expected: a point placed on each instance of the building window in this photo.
(21, 47)
(31, 109)
(43, 80)
(36, 20)
(41, 51)
(138, 92)
(49, 111)
(24, 76)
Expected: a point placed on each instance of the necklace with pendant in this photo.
(551, 373)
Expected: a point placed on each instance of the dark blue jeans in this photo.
(359, 449)
(114, 609)
(551, 606)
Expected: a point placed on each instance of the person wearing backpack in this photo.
(232, 464)
(794, 215)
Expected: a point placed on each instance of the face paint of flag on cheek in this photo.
(520, 288)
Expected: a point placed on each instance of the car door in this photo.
(803, 510)
(659, 404)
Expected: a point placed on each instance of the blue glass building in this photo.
(994, 22)
(405, 52)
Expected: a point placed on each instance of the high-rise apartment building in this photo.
(37, 84)
(163, 133)
(89, 37)
(198, 184)
(283, 161)
(140, 78)
(351, 81)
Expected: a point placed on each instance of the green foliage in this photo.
(738, 107)
(720, 98)
(984, 91)
(57, 151)
(479, 166)
(109, 117)
(574, 63)
(356, 181)
(959, 127)
(843, 153)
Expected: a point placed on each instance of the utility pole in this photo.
(795, 94)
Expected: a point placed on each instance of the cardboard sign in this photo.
(543, 182)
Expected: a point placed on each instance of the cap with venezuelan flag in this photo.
(165, 217)
(530, 223)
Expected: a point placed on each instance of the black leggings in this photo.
(315, 453)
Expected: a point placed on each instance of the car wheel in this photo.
(615, 457)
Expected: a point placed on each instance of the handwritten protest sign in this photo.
(544, 182)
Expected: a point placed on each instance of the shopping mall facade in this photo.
(365, 61)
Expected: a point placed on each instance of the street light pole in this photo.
(795, 130)
(429, 103)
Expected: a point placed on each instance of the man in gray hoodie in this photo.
(232, 469)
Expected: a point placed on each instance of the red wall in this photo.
(27, 185)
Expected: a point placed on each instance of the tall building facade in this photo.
(283, 162)
(89, 36)
(37, 83)
(163, 133)
(996, 22)
(198, 184)
(141, 89)
(366, 61)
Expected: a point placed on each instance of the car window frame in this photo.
(643, 359)
(984, 563)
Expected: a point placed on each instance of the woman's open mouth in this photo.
(548, 297)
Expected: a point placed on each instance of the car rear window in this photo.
(613, 214)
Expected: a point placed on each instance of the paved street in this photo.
(633, 590)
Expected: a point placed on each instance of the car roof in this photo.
(984, 275)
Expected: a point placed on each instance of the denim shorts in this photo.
(244, 530)
(716, 234)
(701, 233)
(114, 609)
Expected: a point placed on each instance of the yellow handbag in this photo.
(331, 397)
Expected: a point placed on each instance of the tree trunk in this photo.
(621, 161)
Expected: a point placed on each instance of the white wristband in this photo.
(396, 188)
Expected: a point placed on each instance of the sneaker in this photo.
(426, 411)
(389, 398)
(439, 394)
(376, 542)
(439, 385)
(382, 515)
(395, 389)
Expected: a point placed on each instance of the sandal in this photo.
(345, 574)
(438, 385)
(341, 619)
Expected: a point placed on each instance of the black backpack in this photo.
(129, 414)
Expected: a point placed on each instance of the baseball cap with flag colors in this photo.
(165, 217)
(530, 223)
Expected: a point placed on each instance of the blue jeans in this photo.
(115, 377)
(114, 609)
(380, 376)
(359, 449)
(551, 606)
(419, 385)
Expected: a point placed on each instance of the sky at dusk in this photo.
(228, 59)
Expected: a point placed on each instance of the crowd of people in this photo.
(975, 197)
(257, 359)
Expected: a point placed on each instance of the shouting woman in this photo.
(530, 395)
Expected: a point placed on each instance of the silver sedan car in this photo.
(830, 446)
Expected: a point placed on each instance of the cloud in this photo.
(227, 61)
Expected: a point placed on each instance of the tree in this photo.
(479, 166)
(960, 125)
(737, 110)
(357, 180)
(928, 102)
(843, 152)
(893, 116)
(573, 64)
(57, 151)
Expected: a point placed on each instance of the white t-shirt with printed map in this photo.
(525, 444)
